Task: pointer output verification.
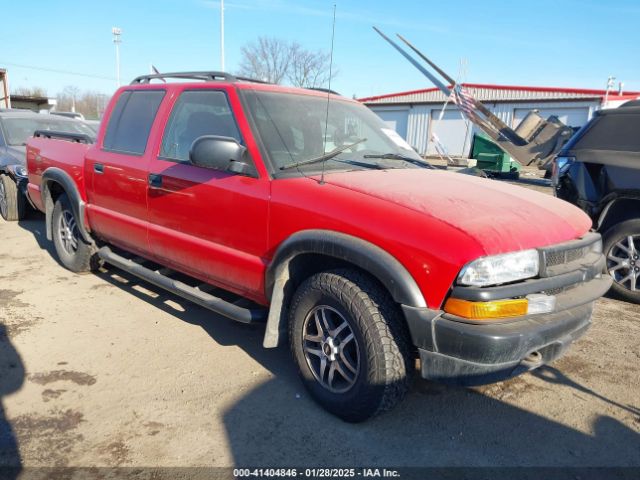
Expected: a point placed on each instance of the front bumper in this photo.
(460, 351)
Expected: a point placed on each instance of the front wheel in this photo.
(74, 253)
(13, 205)
(622, 248)
(350, 344)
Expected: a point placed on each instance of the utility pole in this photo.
(610, 85)
(117, 41)
(222, 35)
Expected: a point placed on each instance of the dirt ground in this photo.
(103, 370)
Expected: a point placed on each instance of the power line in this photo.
(53, 70)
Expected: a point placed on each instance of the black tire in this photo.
(74, 253)
(612, 238)
(383, 352)
(13, 205)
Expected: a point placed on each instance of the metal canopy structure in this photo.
(533, 140)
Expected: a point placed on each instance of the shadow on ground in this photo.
(11, 379)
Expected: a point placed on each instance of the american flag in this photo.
(463, 99)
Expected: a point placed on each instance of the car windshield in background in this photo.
(19, 129)
(292, 129)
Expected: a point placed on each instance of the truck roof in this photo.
(225, 79)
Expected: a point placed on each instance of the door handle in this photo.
(98, 168)
(155, 180)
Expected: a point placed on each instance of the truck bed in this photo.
(43, 153)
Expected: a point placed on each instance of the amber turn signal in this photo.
(486, 310)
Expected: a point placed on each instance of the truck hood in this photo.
(500, 216)
(16, 155)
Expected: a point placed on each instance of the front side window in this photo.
(131, 121)
(197, 113)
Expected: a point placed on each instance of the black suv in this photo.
(599, 171)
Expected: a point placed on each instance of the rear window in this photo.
(131, 120)
(618, 132)
(19, 129)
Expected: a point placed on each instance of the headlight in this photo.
(18, 170)
(497, 269)
(560, 166)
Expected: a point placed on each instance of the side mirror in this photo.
(218, 153)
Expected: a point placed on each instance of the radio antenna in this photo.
(326, 118)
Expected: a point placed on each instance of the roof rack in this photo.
(324, 90)
(204, 76)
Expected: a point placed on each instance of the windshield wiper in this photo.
(324, 157)
(375, 166)
(397, 156)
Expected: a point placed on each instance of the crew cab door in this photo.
(209, 223)
(117, 169)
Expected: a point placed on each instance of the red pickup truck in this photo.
(301, 209)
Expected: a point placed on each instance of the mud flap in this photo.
(277, 320)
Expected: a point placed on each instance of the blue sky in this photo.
(565, 43)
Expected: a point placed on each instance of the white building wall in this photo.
(418, 127)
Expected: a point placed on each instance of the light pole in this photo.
(117, 41)
(610, 84)
(222, 35)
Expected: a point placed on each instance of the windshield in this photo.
(19, 129)
(292, 130)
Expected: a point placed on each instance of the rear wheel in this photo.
(622, 248)
(74, 253)
(13, 205)
(350, 344)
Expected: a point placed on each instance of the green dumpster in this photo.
(492, 159)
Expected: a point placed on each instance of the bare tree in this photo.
(91, 104)
(67, 99)
(267, 59)
(278, 61)
(308, 69)
(30, 91)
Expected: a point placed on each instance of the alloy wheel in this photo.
(68, 231)
(3, 199)
(331, 349)
(623, 262)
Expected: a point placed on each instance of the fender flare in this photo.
(602, 217)
(57, 175)
(365, 255)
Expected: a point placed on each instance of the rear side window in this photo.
(131, 120)
(197, 113)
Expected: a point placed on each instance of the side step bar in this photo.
(215, 304)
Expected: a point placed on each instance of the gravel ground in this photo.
(102, 370)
